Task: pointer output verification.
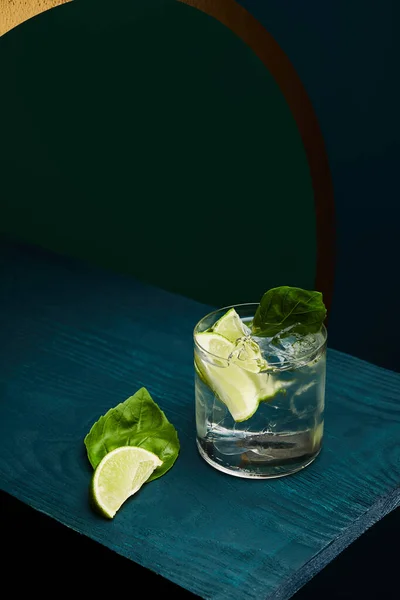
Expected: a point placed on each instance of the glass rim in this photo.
(279, 364)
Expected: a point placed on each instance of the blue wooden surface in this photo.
(75, 341)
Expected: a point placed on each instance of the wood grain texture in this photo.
(75, 341)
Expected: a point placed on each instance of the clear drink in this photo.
(259, 408)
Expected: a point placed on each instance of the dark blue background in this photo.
(347, 53)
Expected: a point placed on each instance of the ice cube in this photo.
(246, 354)
(245, 349)
(304, 345)
(288, 345)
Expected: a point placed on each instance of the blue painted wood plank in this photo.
(75, 341)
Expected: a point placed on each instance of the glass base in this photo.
(255, 467)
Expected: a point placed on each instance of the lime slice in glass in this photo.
(230, 326)
(247, 352)
(119, 475)
(239, 389)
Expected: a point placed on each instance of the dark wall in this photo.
(347, 55)
(163, 148)
(156, 144)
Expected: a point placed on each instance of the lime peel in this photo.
(119, 475)
(239, 389)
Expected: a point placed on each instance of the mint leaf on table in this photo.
(140, 422)
(282, 307)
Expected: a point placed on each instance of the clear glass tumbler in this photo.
(259, 422)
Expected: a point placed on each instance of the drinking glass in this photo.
(257, 421)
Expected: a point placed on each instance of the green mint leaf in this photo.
(286, 306)
(138, 421)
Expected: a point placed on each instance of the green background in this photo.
(153, 141)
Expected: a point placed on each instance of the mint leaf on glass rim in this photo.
(140, 422)
(282, 307)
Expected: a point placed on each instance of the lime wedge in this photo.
(240, 390)
(119, 475)
(247, 352)
(215, 344)
(230, 326)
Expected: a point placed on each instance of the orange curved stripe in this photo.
(245, 26)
